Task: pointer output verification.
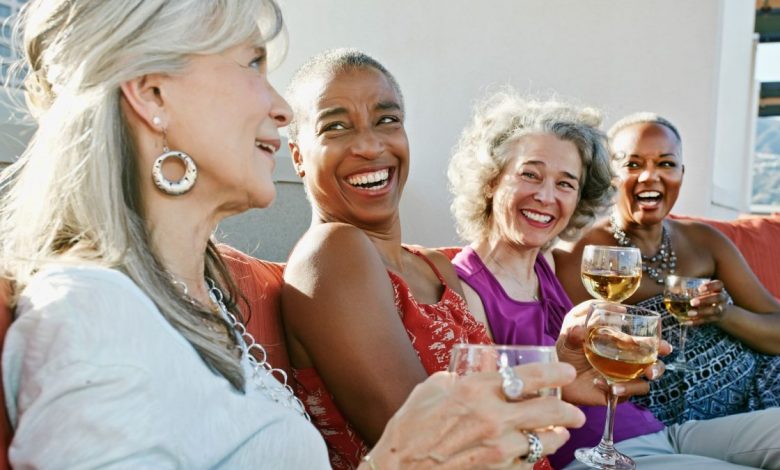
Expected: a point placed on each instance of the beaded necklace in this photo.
(269, 381)
(663, 262)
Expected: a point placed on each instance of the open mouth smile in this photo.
(371, 181)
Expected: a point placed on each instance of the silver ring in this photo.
(535, 447)
(511, 385)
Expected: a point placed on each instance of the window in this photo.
(5, 11)
(765, 191)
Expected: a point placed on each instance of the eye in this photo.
(333, 126)
(389, 120)
(258, 63)
(529, 175)
(668, 164)
(631, 165)
(567, 185)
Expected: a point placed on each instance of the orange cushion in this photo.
(758, 239)
(260, 282)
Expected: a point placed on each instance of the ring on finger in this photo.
(535, 448)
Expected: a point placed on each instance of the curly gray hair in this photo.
(485, 146)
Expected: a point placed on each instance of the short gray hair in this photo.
(484, 150)
(326, 64)
(643, 117)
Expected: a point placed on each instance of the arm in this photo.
(68, 409)
(476, 308)
(567, 269)
(754, 317)
(340, 317)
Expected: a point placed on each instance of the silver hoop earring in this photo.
(174, 188)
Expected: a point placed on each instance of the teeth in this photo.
(264, 146)
(369, 178)
(537, 217)
(649, 194)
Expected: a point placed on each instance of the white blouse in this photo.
(94, 376)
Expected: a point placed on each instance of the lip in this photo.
(648, 205)
(274, 143)
(537, 223)
(391, 179)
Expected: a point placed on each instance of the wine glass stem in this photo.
(683, 335)
(606, 438)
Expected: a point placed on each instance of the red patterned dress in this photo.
(432, 328)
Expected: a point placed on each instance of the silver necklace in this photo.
(663, 262)
(269, 381)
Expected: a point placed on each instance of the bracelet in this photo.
(370, 461)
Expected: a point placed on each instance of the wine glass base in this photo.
(678, 367)
(607, 460)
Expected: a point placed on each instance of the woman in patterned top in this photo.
(734, 345)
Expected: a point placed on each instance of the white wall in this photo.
(688, 60)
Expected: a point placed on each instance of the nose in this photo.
(281, 112)
(367, 144)
(546, 192)
(648, 173)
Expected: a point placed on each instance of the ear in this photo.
(145, 99)
(295, 151)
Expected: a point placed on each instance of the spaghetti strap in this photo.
(430, 263)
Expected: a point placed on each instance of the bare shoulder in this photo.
(570, 253)
(699, 233)
(330, 243)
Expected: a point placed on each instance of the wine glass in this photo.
(621, 342)
(472, 358)
(611, 273)
(678, 292)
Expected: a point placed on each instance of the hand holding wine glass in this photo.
(678, 293)
(611, 273)
(621, 342)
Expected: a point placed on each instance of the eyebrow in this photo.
(339, 110)
(541, 163)
(663, 155)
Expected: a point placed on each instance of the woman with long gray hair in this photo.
(155, 121)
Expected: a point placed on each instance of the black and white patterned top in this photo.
(726, 377)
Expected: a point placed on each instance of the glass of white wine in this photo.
(472, 358)
(621, 342)
(611, 273)
(678, 293)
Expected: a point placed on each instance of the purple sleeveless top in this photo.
(539, 323)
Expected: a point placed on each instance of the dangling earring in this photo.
(174, 188)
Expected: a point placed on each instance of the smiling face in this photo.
(223, 112)
(649, 166)
(537, 191)
(352, 148)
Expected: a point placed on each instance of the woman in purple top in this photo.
(525, 173)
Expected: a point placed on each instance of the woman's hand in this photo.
(590, 388)
(453, 422)
(710, 305)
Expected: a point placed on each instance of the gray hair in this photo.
(327, 64)
(643, 117)
(73, 196)
(484, 150)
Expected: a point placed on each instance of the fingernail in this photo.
(692, 313)
(618, 389)
(655, 371)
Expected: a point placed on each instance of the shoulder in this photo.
(699, 234)
(330, 242)
(569, 254)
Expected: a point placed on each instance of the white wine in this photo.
(678, 306)
(611, 286)
(619, 356)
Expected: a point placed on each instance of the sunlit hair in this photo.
(485, 148)
(324, 65)
(643, 118)
(73, 196)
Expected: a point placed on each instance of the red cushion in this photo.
(260, 282)
(758, 239)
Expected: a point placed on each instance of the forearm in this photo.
(760, 331)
